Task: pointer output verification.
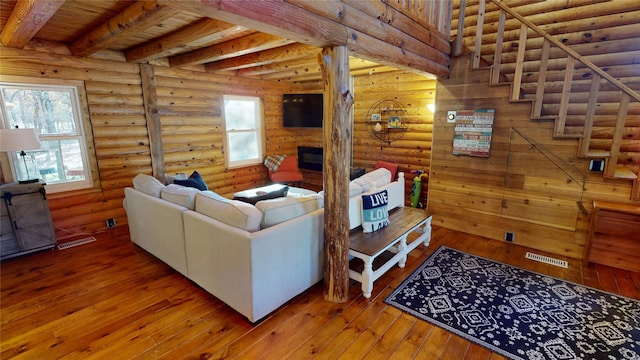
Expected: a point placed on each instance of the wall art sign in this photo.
(472, 132)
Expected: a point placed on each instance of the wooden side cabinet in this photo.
(614, 236)
(25, 221)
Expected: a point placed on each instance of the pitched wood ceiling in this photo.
(157, 33)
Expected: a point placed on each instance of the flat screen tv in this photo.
(302, 110)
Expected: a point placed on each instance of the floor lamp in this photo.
(21, 140)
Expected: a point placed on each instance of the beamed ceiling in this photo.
(161, 33)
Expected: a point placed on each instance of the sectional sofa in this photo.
(253, 258)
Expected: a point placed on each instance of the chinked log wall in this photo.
(189, 112)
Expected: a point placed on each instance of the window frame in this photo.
(83, 132)
(259, 130)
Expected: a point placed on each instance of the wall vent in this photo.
(547, 260)
(78, 242)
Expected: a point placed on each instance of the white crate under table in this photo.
(393, 238)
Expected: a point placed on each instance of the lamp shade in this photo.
(19, 140)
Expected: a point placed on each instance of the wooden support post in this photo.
(148, 79)
(338, 105)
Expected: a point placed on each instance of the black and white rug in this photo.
(518, 313)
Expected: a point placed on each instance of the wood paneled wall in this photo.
(531, 185)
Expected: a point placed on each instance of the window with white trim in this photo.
(244, 138)
(54, 112)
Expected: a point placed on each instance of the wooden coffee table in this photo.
(393, 238)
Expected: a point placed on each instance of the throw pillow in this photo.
(148, 184)
(169, 179)
(195, 180)
(375, 211)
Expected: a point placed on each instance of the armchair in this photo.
(287, 172)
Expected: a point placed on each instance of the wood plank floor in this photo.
(112, 300)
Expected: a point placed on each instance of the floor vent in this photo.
(547, 260)
(78, 242)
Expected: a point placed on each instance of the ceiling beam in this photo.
(27, 18)
(279, 54)
(228, 49)
(139, 16)
(298, 24)
(274, 67)
(204, 32)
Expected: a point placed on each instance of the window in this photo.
(54, 112)
(243, 130)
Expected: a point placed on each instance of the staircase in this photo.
(585, 101)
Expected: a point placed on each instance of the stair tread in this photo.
(597, 153)
(567, 136)
(623, 172)
(544, 117)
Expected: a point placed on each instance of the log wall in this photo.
(189, 112)
(188, 104)
(531, 185)
(413, 151)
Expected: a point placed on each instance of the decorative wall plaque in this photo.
(472, 133)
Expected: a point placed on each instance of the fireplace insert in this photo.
(310, 158)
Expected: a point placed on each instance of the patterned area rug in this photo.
(518, 313)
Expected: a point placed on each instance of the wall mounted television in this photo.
(302, 110)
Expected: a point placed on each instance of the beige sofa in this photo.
(253, 258)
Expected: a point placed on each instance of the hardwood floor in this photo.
(110, 299)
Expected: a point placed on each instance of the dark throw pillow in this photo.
(195, 181)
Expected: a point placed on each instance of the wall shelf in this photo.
(386, 121)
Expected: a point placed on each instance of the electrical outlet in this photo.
(509, 236)
(111, 223)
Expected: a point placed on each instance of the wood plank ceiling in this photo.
(158, 33)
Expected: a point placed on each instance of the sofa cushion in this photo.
(354, 190)
(296, 191)
(375, 211)
(231, 212)
(195, 181)
(275, 211)
(179, 195)
(148, 184)
(379, 176)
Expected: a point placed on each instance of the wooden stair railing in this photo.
(599, 76)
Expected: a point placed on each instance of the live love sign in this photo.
(375, 211)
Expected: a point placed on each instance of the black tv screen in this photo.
(302, 110)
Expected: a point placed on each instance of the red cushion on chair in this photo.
(389, 166)
(287, 171)
(290, 163)
(285, 176)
